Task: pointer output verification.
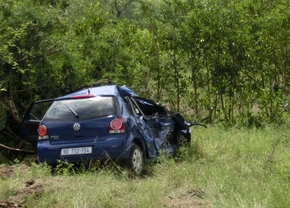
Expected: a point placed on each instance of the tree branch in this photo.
(13, 111)
(52, 52)
(15, 149)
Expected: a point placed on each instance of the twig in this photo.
(15, 149)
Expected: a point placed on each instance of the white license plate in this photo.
(76, 151)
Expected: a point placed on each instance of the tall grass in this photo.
(246, 168)
(222, 168)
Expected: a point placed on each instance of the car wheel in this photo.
(136, 159)
(183, 140)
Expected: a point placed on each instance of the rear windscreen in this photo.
(87, 108)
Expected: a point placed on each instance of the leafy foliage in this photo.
(227, 60)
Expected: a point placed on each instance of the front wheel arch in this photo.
(183, 139)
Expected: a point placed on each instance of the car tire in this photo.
(183, 140)
(136, 159)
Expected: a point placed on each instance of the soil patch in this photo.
(9, 204)
(184, 203)
(6, 171)
(191, 199)
(32, 187)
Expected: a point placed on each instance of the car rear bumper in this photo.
(113, 148)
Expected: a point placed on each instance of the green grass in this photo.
(222, 168)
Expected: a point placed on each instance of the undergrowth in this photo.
(222, 168)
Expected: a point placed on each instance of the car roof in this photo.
(109, 90)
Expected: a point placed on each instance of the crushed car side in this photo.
(135, 130)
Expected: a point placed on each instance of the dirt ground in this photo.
(6, 171)
(30, 187)
(184, 203)
(191, 199)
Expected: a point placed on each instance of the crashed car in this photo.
(103, 122)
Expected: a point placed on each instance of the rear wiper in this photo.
(77, 116)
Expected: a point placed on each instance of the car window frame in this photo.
(115, 103)
(134, 103)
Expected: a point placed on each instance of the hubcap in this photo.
(137, 161)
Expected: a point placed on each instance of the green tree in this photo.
(29, 33)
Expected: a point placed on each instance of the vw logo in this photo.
(77, 126)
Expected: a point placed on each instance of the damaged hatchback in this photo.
(104, 122)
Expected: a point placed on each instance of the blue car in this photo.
(103, 122)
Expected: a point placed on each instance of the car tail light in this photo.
(117, 126)
(42, 132)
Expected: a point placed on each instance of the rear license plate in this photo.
(76, 151)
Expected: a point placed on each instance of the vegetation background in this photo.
(226, 60)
